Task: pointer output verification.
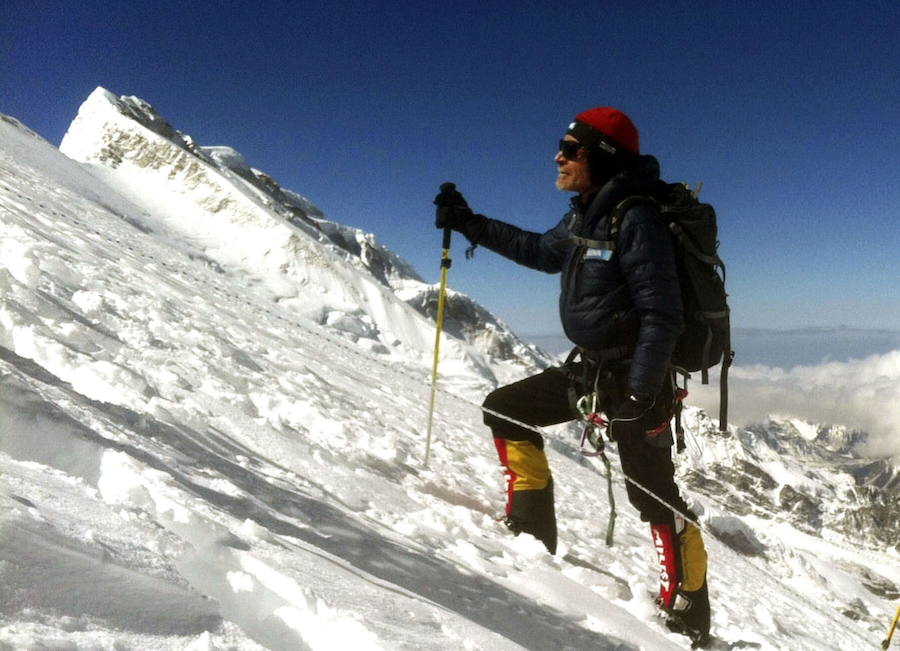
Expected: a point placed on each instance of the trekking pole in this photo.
(442, 294)
(887, 640)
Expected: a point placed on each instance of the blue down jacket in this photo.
(629, 296)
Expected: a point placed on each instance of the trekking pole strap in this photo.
(686, 242)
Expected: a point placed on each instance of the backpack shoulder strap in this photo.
(686, 242)
(576, 240)
(618, 213)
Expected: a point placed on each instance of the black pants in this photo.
(544, 399)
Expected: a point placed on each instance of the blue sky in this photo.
(788, 112)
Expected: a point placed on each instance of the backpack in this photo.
(706, 338)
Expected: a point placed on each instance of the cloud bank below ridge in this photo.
(861, 394)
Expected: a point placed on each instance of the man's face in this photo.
(573, 173)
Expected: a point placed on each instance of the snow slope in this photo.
(191, 460)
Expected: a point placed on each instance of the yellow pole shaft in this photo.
(442, 294)
(887, 640)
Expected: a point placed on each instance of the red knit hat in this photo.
(605, 126)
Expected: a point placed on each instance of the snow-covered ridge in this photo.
(806, 474)
(243, 220)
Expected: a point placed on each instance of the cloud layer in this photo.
(860, 394)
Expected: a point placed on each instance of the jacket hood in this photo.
(641, 177)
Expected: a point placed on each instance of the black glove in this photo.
(630, 422)
(452, 210)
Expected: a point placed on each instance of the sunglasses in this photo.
(569, 148)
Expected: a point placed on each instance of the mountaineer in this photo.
(620, 304)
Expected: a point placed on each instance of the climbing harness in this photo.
(599, 381)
